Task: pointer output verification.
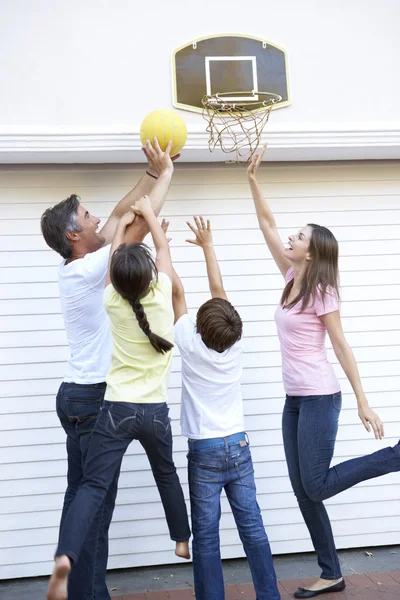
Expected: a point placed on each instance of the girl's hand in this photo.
(255, 163)
(127, 218)
(142, 206)
(164, 227)
(203, 232)
(371, 419)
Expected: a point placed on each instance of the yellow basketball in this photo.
(165, 125)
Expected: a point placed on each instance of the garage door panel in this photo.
(359, 201)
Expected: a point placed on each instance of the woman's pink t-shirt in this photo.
(305, 367)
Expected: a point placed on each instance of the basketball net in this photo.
(237, 126)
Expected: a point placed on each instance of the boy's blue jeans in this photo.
(226, 463)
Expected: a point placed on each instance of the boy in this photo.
(212, 418)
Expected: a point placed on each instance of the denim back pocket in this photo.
(243, 463)
(120, 418)
(80, 404)
(161, 423)
(206, 467)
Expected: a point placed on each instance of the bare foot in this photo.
(321, 584)
(182, 550)
(58, 584)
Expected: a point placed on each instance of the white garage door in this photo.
(360, 202)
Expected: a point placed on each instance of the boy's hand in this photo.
(203, 233)
(142, 206)
(204, 239)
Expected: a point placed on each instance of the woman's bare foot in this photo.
(182, 549)
(321, 584)
(58, 584)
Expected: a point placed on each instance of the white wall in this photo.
(106, 63)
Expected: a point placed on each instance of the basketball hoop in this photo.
(236, 121)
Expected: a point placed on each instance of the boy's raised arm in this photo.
(204, 239)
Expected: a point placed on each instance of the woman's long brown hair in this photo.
(322, 272)
(132, 270)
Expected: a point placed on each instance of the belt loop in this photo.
(247, 438)
(226, 444)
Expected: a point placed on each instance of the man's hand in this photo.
(161, 167)
(255, 163)
(203, 233)
(158, 160)
(142, 206)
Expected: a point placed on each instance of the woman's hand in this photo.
(371, 419)
(255, 163)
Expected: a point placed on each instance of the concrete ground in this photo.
(126, 583)
(381, 586)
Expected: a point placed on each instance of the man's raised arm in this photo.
(158, 163)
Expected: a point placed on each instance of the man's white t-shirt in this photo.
(81, 283)
(211, 396)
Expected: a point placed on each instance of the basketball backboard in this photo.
(228, 63)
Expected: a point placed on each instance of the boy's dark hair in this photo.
(57, 221)
(219, 324)
(132, 270)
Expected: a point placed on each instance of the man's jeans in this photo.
(117, 425)
(226, 463)
(78, 407)
(310, 426)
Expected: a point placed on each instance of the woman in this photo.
(308, 309)
(138, 299)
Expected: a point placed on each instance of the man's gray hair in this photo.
(57, 221)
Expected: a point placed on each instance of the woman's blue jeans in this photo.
(310, 425)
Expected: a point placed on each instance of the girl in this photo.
(308, 309)
(138, 299)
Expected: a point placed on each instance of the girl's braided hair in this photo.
(131, 272)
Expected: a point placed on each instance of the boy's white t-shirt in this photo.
(211, 395)
(81, 283)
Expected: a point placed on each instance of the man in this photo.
(72, 231)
